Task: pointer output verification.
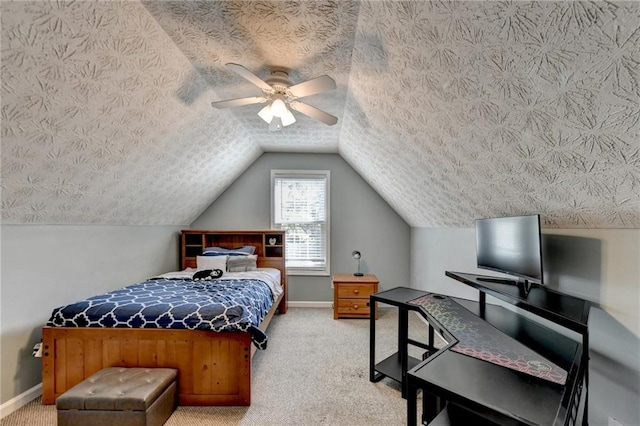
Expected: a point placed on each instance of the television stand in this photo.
(497, 280)
(524, 286)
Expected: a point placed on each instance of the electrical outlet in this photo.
(613, 422)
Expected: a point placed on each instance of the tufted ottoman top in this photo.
(117, 389)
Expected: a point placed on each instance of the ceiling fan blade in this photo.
(320, 84)
(245, 73)
(314, 112)
(229, 103)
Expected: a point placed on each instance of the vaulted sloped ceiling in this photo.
(450, 110)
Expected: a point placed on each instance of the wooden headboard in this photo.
(269, 244)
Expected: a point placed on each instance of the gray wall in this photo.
(360, 220)
(47, 266)
(600, 265)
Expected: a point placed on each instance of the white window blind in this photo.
(301, 208)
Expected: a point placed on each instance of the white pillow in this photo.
(211, 262)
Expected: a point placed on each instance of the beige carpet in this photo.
(314, 372)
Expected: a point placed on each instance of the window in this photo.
(300, 206)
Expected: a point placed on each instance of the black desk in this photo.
(501, 395)
(489, 391)
(562, 309)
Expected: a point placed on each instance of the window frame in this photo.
(302, 174)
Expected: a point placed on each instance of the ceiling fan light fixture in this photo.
(277, 111)
(287, 118)
(266, 114)
(278, 107)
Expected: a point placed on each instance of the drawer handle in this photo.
(355, 306)
(356, 291)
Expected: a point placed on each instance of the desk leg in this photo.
(585, 361)
(483, 303)
(412, 404)
(431, 406)
(431, 341)
(372, 342)
(403, 325)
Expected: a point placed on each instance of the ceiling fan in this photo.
(278, 90)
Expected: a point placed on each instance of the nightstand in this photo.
(351, 295)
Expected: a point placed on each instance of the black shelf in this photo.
(192, 251)
(193, 239)
(273, 251)
(396, 365)
(568, 311)
(392, 366)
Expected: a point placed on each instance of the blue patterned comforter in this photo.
(216, 305)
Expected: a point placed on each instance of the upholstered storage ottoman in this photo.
(120, 396)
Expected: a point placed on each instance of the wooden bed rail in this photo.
(213, 368)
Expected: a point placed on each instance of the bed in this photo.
(213, 362)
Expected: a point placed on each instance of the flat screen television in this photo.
(511, 245)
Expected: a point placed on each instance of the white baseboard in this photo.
(310, 304)
(20, 401)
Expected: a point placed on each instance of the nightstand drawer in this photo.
(355, 291)
(354, 307)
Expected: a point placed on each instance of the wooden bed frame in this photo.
(213, 368)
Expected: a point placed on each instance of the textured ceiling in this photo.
(450, 110)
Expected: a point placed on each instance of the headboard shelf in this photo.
(269, 244)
